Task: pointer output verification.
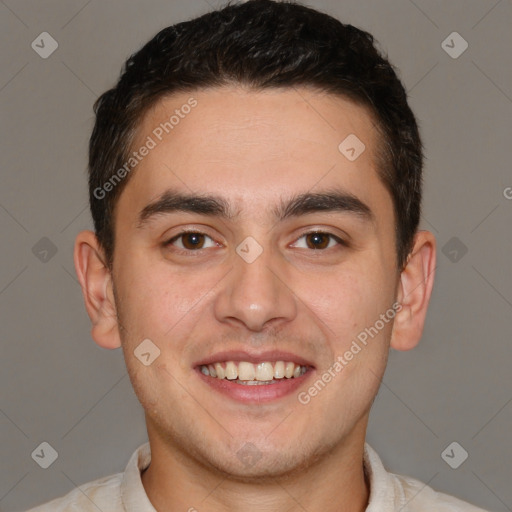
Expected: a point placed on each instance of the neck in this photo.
(335, 482)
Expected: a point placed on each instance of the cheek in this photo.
(351, 300)
(154, 299)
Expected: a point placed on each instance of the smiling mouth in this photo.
(249, 374)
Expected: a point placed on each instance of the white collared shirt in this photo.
(124, 492)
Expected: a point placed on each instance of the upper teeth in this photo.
(243, 370)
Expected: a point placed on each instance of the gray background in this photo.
(58, 386)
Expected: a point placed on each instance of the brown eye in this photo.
(317, 240)
(191, 241)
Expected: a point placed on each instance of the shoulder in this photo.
(102, 494)
(419, 497)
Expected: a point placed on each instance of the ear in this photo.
(414, 291)
(97, 289)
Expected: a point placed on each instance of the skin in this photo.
(255, 149)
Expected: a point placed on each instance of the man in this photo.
(255, 186)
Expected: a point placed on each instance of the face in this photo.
(254, 289)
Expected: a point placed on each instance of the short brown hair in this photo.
(260, 44)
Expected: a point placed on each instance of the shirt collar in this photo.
(133, 494)
(386, 495)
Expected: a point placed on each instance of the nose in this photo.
(256, 294)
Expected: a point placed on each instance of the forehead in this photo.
(255, 145)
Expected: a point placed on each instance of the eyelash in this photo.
(339, 240)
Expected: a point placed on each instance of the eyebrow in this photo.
(332, 200)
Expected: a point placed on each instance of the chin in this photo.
(257, 464)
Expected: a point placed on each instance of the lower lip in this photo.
(257, 393)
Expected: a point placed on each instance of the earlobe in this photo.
(96, 282)
(415, 289)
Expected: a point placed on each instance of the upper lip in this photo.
(255, 358)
